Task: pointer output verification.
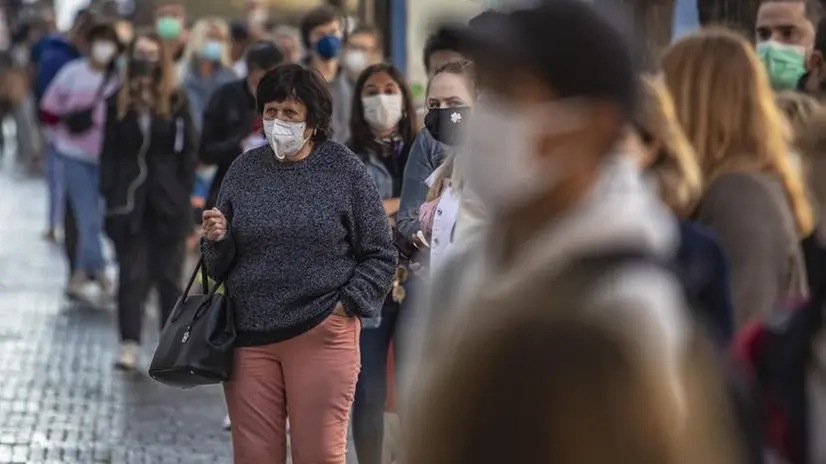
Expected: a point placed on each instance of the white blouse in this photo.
(444, 222)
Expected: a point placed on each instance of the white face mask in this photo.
(103, 51)
(355, 61)
(382, 111)
(499, 160)
(285, 138)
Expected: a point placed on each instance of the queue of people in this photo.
(549, 245)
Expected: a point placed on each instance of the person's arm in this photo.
(741, 213)
(391, 206)
(53, 104)
(218, 256)
(372, 242)
(419, 167)
(218, 145)
(109, 152)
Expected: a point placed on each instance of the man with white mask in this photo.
(362, 48)
(540, 157)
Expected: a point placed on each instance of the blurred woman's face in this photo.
(380, 83)
(291, 49)
(145, 59)
(448, 90)
(217, 35)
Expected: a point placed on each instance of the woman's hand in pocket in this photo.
(340, 311)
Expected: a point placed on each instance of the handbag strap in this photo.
(110, 71)
(204, 279)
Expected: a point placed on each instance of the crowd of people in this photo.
(557, 248)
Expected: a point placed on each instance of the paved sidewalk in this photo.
(60, 400)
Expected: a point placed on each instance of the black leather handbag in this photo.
(197, 342)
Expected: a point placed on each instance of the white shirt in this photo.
(443, 223)
(240, 68)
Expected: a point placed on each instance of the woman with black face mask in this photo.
(147, 173)
(451, 94)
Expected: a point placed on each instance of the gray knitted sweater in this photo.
(302, 237)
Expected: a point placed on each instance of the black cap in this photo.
(578, 49)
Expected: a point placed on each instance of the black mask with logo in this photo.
(447, 125)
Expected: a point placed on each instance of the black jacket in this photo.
(228, 119)
(147, 181)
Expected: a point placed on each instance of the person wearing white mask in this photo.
(362, 48)
(561, 202)
(302, 243)
(382, 127)
(77, 100)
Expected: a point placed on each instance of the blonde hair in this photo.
(675, 168)
(533, 381)
(199, 36)
(798, 109)
(164, 85)
(727, 109)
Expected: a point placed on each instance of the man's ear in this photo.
(815, 62)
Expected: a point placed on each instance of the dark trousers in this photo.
(144, 262)
(371, 389)
(69, 234)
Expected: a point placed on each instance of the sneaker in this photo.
(227, 424)
(76, 289)
(107, 286)
(129, 355)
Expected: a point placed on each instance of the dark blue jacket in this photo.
(705, 271)
(50, 54)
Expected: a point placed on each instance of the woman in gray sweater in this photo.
(755, 201)
(302, 241)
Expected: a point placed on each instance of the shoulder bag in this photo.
(80, 121)
(197, 343)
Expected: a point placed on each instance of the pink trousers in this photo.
(311, 378)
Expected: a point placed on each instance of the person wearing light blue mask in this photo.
(322, 30)
(206, 65)
(212, 50)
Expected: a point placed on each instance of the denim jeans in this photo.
(57, 187)
(371, 389)
(82, 186)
